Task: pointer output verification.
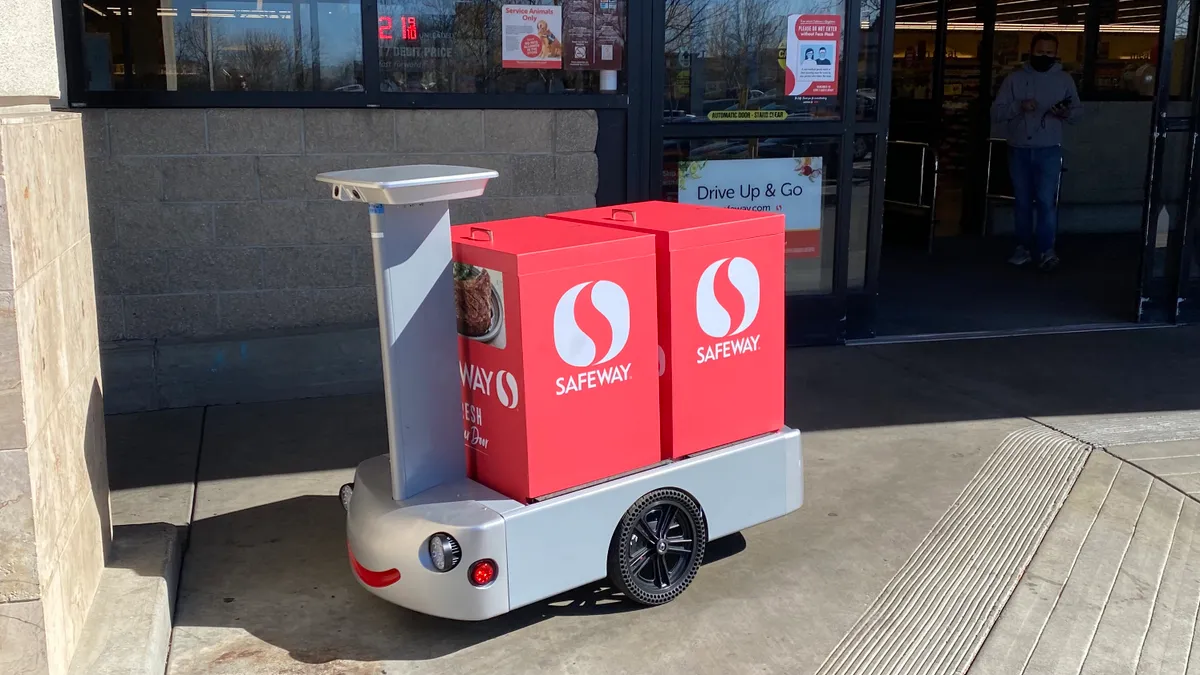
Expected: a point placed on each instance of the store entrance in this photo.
(948, 222)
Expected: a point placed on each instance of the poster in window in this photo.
(812, 55)
(532, 36)
(592, 35)
(788, 185)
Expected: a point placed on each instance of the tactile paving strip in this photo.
(934, 615)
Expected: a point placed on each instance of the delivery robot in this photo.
(424, 536)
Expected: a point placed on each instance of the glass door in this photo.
(1182, 173)
(1167, 278)
(1126, 173)
(754, 106)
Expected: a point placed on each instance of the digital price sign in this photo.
(406, 25)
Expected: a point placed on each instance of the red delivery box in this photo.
(558, 334)
(721, 294)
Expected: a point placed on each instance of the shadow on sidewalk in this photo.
(1048, 376)
(280, 572)
(830, 388)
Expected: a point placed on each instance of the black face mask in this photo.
(1041, 62)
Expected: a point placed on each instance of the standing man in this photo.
(1033, 104)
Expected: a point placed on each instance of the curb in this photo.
(128, 630)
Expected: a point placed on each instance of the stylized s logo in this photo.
(506, 389)
(713, 316)
(575, 347)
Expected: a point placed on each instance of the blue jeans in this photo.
(1035, 173)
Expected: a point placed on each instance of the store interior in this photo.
(948, 216)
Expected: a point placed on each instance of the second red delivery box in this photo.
(721, 295)
(558, 353)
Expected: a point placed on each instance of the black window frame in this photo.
(78, 96)
(824, 316)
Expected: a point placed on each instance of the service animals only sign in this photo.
(787, 185)
(532, 36)
(812, 55)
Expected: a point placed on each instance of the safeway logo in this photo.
(602, 340)
(715, 319)
(577, 348)
(714, 315)
(506, 389)
(500, 383)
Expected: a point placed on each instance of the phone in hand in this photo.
(1062, 105)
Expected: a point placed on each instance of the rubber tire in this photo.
(619, 573)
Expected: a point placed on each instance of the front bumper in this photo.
(552, 546)
(384, 535)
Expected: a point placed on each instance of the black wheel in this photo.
(658, 547)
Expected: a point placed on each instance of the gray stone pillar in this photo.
(54, 515)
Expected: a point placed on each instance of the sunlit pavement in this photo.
(892, 435)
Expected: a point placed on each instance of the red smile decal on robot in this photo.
(370, 577)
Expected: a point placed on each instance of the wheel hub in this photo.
(663, 545)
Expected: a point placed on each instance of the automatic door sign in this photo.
(813, 41)
(747, 115)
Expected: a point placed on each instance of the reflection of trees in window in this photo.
(211, 56)
(450, 53)
(684, 20)
(870, 11)
(193, 45)
(265, 60)
(740, 33)
(727, 54)
(1184, 64)
(739, 39)
(460, 49)
(868, 53)
(283, 52)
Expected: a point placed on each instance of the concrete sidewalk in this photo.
(895, 438)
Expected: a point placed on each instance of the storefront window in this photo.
(1173, 186)
(793, 176)
(223, 45)
(871, 36)
(1127, 55)
(433, 46)
(474, 46)
(748, 60)
(1015, 28)
(1183, 65)
(860, 210)
(1121, 65)
(913, 50)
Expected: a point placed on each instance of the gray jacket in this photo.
(1040, 128)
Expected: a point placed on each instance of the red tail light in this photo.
(370, 577)
(483, 572)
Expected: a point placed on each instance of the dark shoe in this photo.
(1020, 257)
(1048, 262)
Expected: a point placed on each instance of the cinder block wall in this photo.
(209, 226)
